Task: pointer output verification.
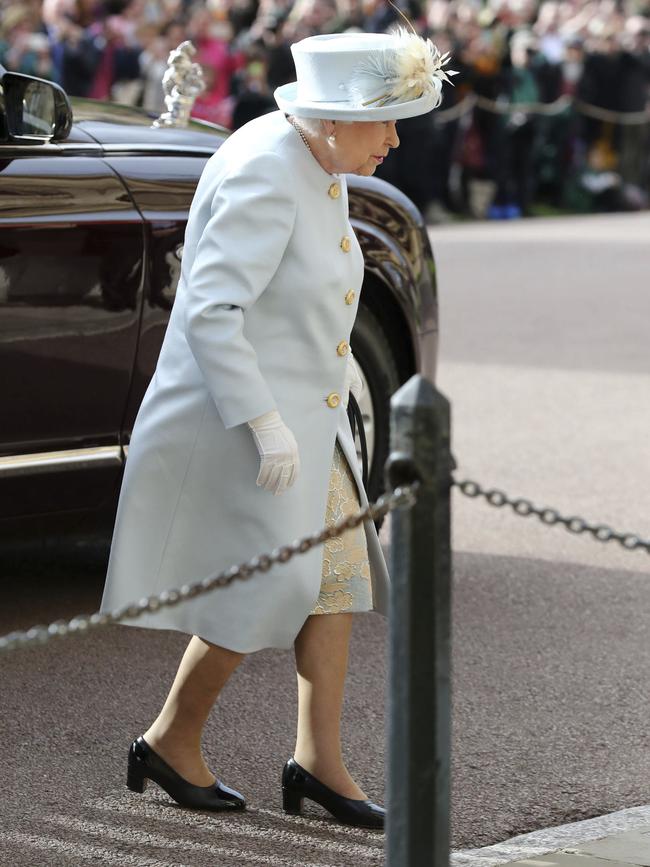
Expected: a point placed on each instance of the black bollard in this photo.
(419, 713)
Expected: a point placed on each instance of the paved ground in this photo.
(551, 651)
(622, 837)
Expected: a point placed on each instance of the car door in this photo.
(162, 186)
(71, 274)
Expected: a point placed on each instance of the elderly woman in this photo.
(242, 441)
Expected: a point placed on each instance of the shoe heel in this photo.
(291, 801)
(136, 780)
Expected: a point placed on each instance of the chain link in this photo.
(550, 517)
(401, 498)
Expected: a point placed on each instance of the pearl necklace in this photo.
(301, 134)
(307, 145)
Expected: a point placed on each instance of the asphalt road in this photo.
(545, 358)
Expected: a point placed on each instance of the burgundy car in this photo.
(93, 205)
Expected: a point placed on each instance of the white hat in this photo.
(364, 76)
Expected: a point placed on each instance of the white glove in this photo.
(278, 449)
(352, 382)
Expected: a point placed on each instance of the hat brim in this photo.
(286, 97)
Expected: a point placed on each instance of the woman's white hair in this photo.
(314, 125)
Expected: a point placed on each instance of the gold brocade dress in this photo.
(345, 582)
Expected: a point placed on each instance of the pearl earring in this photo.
(331, 138)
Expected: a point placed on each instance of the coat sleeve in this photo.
(252, 215)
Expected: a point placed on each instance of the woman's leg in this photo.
(321, 650)
(176, 733)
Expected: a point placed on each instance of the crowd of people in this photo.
(551, 103)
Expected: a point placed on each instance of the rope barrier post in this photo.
(419, 712)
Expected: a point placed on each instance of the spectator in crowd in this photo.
(253, 94)
(23, 46)
(516, 131)
(212, 34)
(75, 51)
(114, 34)
(157, 41)
(633, 75)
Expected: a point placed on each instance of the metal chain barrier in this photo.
(559, 106)
(446, 115)
(401, 497)
(551, 517)
(627, 118)
(504, 107)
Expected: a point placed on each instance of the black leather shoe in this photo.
(145, 764)
(297, 784)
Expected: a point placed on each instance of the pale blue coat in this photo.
(259, 312)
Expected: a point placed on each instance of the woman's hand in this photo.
(278, 449)
(353, 382)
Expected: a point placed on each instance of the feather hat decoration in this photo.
(409, 69)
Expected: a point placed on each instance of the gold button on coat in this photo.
(345, 244)
(334, 191)
(342, 348)
(350, 296)
(333, 400)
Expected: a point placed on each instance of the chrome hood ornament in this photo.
(182, 83)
